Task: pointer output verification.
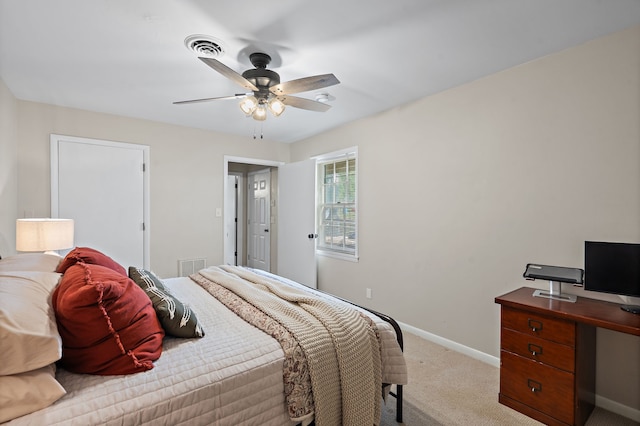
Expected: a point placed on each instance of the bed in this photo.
(234, 365)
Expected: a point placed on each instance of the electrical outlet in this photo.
(368, 293)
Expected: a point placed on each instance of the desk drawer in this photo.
(556, 330)
(539, 386)
(545, 351)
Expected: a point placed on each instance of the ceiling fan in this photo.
(266, 90)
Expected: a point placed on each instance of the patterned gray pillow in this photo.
(176, 318)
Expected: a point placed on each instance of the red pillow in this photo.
(107, 323)
(89, 255)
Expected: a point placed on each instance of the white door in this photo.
(296, 222)
(259, 225)
(102, 187)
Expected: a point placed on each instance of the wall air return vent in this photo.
(187, 267)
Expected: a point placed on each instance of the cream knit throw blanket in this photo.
(341, 347)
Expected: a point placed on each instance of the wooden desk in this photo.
(547, 353)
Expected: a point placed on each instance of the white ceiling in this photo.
(127, 57)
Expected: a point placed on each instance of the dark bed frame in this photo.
(398, 393)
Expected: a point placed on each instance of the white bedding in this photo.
(231, 376)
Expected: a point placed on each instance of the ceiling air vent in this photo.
(204, 46)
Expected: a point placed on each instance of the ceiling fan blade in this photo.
(303, 103)
(229, 73)
(194, 101)
(304, 84)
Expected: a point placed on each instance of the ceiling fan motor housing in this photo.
(262, 78)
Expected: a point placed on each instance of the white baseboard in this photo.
(602, 402)
(450, 344)
(616, 407)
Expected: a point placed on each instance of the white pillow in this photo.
(30, 262)
(25, 393)
(28, 329)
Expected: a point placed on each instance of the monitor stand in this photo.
(555, 293)
(634, 309)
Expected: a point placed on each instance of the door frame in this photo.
(244, 160)
(237, 216)
(55, 140)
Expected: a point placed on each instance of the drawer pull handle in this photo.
(534, 325)
(534, 386)
(535, 349)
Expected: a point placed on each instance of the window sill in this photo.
(341, 256)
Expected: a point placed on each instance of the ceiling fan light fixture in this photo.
(249, 105)
(276, 106)
(266, 90)
(260, 114)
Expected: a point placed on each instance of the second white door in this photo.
(259, 223)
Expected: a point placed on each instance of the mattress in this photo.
(231, 376)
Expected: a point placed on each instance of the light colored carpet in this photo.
(448, 388)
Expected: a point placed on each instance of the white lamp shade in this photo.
(276, 106)
(249, 104)
(260, 113)
(44, 234)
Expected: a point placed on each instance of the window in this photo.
(337, 207)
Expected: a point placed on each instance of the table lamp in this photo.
(44, 234)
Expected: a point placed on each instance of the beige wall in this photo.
(8, 171)
(460, 190)
(186, 172)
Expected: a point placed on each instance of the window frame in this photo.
(321, 161)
